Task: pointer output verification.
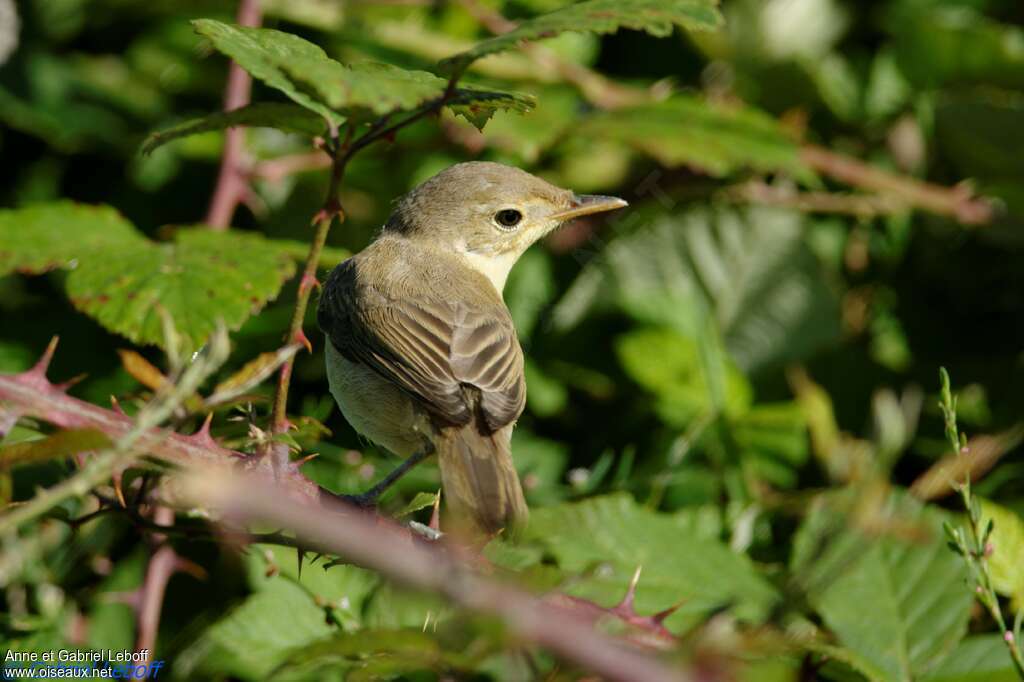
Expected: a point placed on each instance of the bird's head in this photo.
(490, 213)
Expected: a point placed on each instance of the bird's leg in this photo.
(369, 498)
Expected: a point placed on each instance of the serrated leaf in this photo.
(748, 273)
(478, 105)
(607, 537)
(256, 636)
(280, 115)
(305, 73)
(717, 139)
(39, 238)
(914, 588)
(376, 654)
(263, 53)
(979, 658)
(200, 278)
(657, 17)
(59, 445)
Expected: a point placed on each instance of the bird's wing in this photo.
(461, 361)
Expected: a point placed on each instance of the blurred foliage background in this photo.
(731, 383)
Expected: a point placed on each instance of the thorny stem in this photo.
(232, 186)
(975, 548)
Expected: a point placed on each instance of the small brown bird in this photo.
(422, 353)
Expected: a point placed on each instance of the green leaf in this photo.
(421, 501)
(749, 273)
(377, 654)
(200, 278)
(717, 139)
(914, 588)
(1006, 563)
(282, 116)
(979, 658)
(656, 17)
(264, 53)
(257, 636)
(39, 238)
(607, 538)
(669, 365)
(305, 73)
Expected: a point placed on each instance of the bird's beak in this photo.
(587, 204)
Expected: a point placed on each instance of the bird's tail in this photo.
(481, 487)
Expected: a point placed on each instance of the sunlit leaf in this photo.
(200, 278)
(607, 538)
(1007, 560)
(47, 236)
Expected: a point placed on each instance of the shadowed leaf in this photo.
(287, 117)
(657, 17)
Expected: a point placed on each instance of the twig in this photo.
(974, 545)
(31, 394)
(860, 205)
(383, 547)
(162, 565)
(956, 202)
(130, 437)
(232, 186)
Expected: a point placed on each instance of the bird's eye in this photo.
(508, 218)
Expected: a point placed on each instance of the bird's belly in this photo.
(375, 407)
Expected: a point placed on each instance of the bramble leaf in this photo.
(913, 587)
(200, 278)
(657, 17)
(283, 116)
(39, 238)
(691, 131)
(305, 73)
(615, 535)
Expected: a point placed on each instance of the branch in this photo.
(31, 394)
(956, 202)
(232, 186)
(386, 548)
(859, 205)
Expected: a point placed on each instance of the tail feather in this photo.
(481, 486)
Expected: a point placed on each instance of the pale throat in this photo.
(494, 266)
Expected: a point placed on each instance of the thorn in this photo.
(626, 605)
(202, 437)
(118, 490)
(299, 462)
(307, 283)
(65, 385)
(43, 363)
(300, 337)
(116, 406)
(660, 616)
(299, 554)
